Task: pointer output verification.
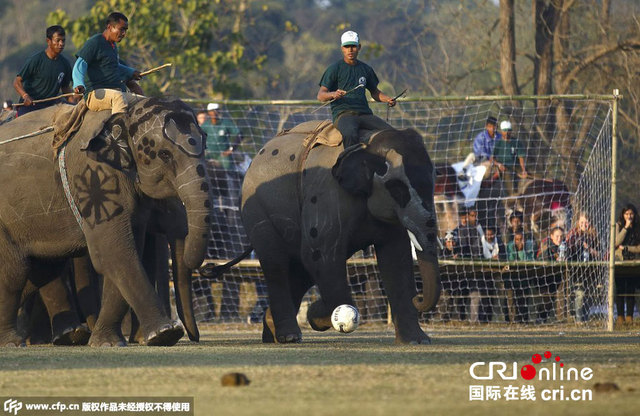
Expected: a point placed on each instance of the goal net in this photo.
(522, 241)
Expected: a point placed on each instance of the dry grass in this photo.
(330, 374)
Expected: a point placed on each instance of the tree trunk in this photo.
(508, 73)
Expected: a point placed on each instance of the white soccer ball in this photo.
(345, 318)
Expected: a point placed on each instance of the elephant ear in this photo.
(111, 146)
(355, 167)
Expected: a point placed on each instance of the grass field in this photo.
(363, 373)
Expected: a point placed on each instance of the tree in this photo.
(202, 39)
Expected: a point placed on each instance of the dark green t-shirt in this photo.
(42, 77)
(102, 64)
(219, 138)
(341, 75)
(508, 152)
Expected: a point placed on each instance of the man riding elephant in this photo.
(343, 85)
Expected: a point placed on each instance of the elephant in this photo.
(307, 208)
(89, 199)
(48, 315)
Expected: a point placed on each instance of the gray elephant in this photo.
(87, 199)
(308, 207)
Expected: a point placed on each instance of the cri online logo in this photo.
(528, 371)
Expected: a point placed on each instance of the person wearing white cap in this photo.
(343, 84)
(508, 153)
(222, 134)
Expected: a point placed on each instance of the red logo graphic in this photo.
(528, 372)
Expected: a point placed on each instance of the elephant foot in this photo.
(290, 338)
(106, 338)
(166, 336)
(12, 339)
(284, 334)
(73, 336)
(414, 337)
(288, 332)
(318, 317)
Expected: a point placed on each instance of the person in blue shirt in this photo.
(483, 145)
(340, 84)
(98, 72)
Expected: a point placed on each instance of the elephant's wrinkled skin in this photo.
(305, 224)
(155, 150)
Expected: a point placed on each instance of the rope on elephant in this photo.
(32, 134)
(62, 164)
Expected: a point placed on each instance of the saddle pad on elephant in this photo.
(316, 132)
(322, 132)
(77, 120)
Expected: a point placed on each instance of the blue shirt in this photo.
(483, 144)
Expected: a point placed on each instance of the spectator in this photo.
(483, 145)
(451, 249)
(582, 241)
(98, 72)
(520, 249)
(340, 85)
(229, 240)
(454, 294)
(44, 74)
(627, 248)
(552, 248)
(492, 247)
(514, 225)
(222, 137)
(583, 246)
(469, 233)
(508, 153)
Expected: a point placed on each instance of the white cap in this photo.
(212, 106)
(349, 38)
(505, 125)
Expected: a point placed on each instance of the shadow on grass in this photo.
(369, 348)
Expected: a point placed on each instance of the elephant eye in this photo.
(165, 155)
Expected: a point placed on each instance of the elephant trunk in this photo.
(182, 286)
(431, 287)
(197, 200)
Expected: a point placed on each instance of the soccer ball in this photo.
(345, 318)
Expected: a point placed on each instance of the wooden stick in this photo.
(70, 94)
(333, 99)
(152, 70)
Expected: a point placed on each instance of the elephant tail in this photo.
(213, 271)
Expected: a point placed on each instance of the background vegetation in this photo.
(272, 49)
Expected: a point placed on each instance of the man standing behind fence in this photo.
(508, 153)
(343, 84)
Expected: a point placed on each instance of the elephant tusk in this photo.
(414, 240)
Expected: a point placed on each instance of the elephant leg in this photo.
(280, 318)
(396, 270)
(107, 331)
(66, 328)
(299, 282)
(87, 290)
(13, 273)
(125, 271)
(334, 291)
